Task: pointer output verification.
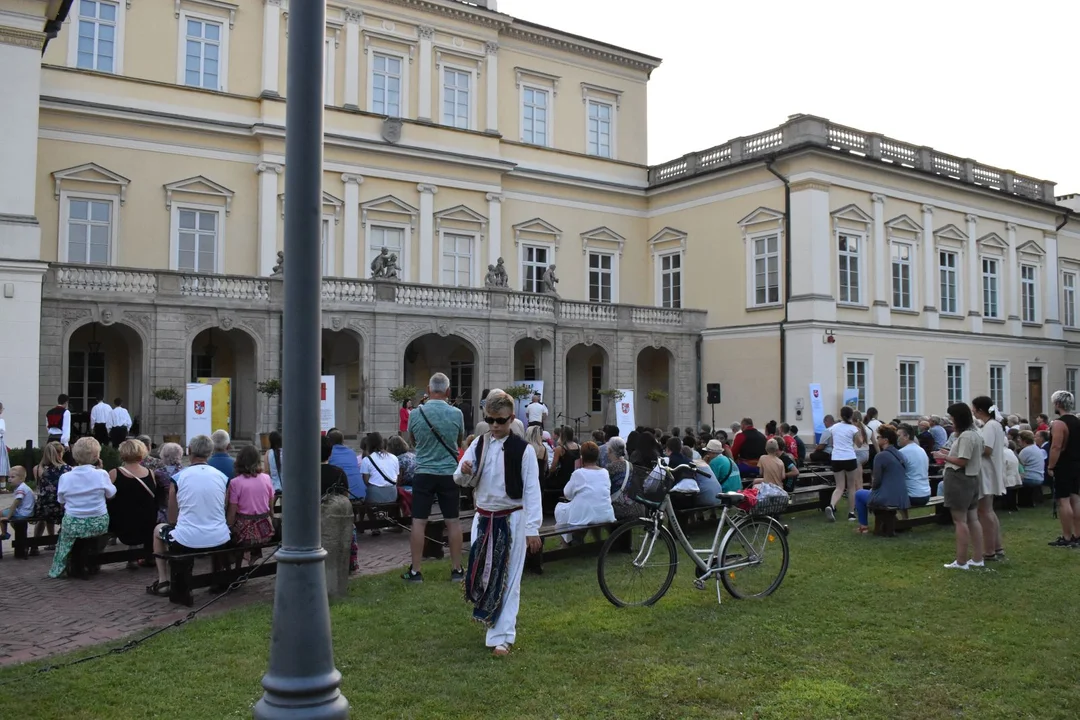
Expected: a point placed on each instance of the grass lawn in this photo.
(861, 628)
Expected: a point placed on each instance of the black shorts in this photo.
(426, 488)
(175, 548)
(1066, 481)
(845, 465)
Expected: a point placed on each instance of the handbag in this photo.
(473, 479)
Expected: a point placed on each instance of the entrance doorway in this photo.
(1035, 391)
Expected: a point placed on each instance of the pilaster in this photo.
(1012, 282)
(494, 227)
(352, 58)
(271, 51)
(427, 39)
(492, 74)
(931, 320)
(351, 248)
(974, 276)
(268, 216)
(427, 231)
(1051, 319)
(880, 256)
(812, 252)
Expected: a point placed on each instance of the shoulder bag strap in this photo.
(371, 459)
(138, 480)
(437, 435)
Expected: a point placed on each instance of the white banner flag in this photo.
(197, 413)
(326, 404)
(624, 413)
(817, 409)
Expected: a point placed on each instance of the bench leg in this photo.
(885, 523)
(180, 582)
(534, 563)
(19, 544)
(433, 549)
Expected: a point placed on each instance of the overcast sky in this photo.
(993, 80)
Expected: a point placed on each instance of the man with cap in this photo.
(723, 467)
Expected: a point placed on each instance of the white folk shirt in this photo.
(535, 412)
(490, 493)
(119, 417)
(100, 414)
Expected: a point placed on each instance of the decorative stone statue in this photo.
(379, 264)
(280, 267)
(549, 280)
(491, 280)
(502, 279)
(392, 271)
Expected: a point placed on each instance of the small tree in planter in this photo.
(271, 388)
(656, 397)
(610, 395)
(402, 393)
(170, 394)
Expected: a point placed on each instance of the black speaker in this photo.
(713, 389)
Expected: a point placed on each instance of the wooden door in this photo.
(1035, 392)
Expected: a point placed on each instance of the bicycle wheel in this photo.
(765, 547)
(637, 564)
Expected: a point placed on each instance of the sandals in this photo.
(501, 650)
(159, 588)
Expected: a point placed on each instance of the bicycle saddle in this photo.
(730, 498)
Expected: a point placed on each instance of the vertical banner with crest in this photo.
(817, 409)
(327, 398)
(198, 401)
(624, 413)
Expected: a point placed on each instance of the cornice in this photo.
(30, 39)
(555, 40)
(458, 12)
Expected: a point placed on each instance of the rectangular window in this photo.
(530, 373)
(947, 265)
(456, 98)
(197, 241)
(461, 379)
(599, 128)
(534, 116)
(954, 383)
(849, 269)
(457, 260)
(596, 379)
(909, 387)
(600, 277)
(901, 276)
(1070, 380)
(997, 385)
(1028, 312)
(856, 379)
(202, 366)
(391, 238)
(97, 35)
(766, 270)
(327, 260)
(86, 378)
(89, 231)
(1068, 300)
(671, 280)
(533, 263)
(386, 85)
(203, 54)
(990, 285)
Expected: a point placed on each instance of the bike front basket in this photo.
(772, 505)
(649, 485)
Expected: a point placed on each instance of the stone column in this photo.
(271, 51)
(427, 230)
(427, 39)
(492, 71)
(929, 278)
(881, 258)
(1012, 282)
(1051, 320)
(351, 250)
(813, 251)
(352, 58)
(494, 229)
(268, 215)
(974, 275)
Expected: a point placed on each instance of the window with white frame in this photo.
(671, 280)
(990, 287)
(534, 260)
(1068, 299)
(901, 276)
(457, 260)
(204, 52)
(534, 116)
(1028, 294)
(386, 83)
(909, 387)
(857, 372)
(89, 230)
(391, 238)
(849, 269)
(456, 97)
(98, 39)
(997, 385)
(600, 277)
(766, 259)
(197, 240)
(600, 128)
(1070, 380)
(954, 382)
(86, 379)
(948, 262)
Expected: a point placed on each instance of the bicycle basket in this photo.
(649, 485)
(770, 505)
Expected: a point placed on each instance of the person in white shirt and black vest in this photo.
(507, 521)
(536, 412)
(119, 423)
(58, 422)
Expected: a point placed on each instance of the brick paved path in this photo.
(40, 617)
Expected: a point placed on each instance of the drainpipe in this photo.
(787, 283)
(1064, 220)
(697, 386)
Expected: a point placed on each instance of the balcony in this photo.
(82, 283)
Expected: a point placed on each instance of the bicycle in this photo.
(755, 546)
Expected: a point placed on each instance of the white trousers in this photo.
(504, 631)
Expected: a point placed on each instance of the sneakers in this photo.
(5, 536)
(1062, 541)
(972, 564)
(830, 513)
(956, 566)
(457, 575)
(411, 576)
(851, 517)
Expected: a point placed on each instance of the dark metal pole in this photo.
(302, 681)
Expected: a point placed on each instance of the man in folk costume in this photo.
(506, 524)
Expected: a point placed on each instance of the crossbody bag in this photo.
(371, 459)
(437, 435)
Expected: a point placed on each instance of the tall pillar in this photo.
(21, 271)
(930, 277)
(268, 215)
(1012, 282)
(492, 72)
(813, 252)
(974, 276)
(350, 257)
(427, 39)
(352, 59)
(1051, 320)
(494, 227)
(881, 258)
(427, 231)
(271, 47)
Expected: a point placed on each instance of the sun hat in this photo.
(715, 447)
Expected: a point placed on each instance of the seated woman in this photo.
(589, 493)
(725, 470)
(380, 470)
(399, 448)
(1031, 459)
(133, 511)
(618, 470)
(83, 492)
(47, 473)
(889, 485)
(251, 495)
(171, 456)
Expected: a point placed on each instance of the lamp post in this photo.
(301, 681)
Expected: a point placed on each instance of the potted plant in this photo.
(610, 395)
(170, 394)
(270, 388)
(656, 397)
(402, 393)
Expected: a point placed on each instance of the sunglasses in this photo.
(496, 421)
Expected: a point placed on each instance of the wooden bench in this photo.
(182, 577)
(23, 543)
(435, 534)
(887, 524)
(377, 516)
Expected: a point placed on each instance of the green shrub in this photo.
(17, 456)
(110, 458)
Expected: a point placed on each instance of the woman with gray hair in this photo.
(619, 469)
(171, 460)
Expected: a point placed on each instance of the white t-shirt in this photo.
(535, 412)
(387, 462)
(25, 496)
(992, 470)
(874, 425)
(120, 417)
(100, 414)
(200, 496)
(843, 438)
(83, 490)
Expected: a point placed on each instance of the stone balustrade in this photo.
(229, 287)
(106, 280)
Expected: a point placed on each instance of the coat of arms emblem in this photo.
(391, 130)
(626, 408)
(200, 407)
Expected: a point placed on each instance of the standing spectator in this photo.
(47, 474)
(565, 459)
(22, 505)
(403, 418)
(823, 450)
(83, 492)
(916, 466)
(100, 413)
(536, 412)
(846, 437)
(889, 483)
(272, 461)
(963, 460)
(438, 430)
(1065, 467)
(748, 447)
(251, 495)
(221, 460)
(345, 459)
(872, 423)
(5, 462)
(991, 475)
(119, 423)
(380, 470)
(172, 459)
(588, 492)
(133, 511)
(58, 422)
(1031, 460)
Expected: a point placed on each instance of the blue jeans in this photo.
(862, 504)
